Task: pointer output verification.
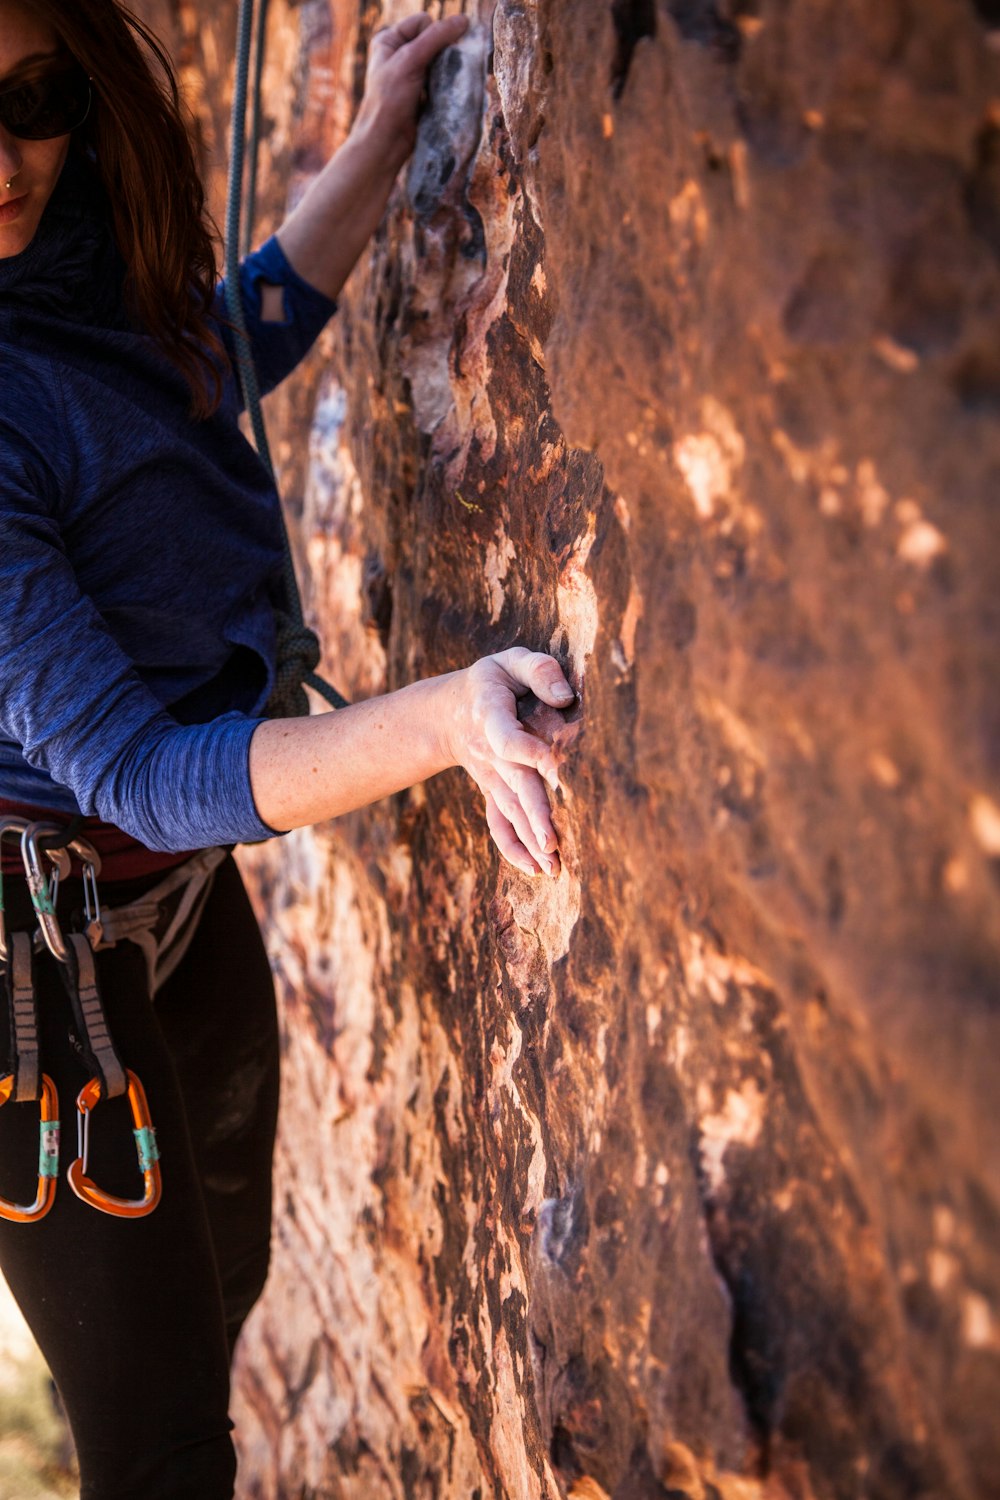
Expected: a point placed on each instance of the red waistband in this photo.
(122, 857)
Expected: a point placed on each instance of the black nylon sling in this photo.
(20, 992)
(80, 978)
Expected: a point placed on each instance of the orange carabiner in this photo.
(146, 1148)
(48, 1155)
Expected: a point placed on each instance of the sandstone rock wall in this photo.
(679, 357)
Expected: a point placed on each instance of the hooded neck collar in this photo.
(72, 269)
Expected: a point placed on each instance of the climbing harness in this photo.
(298, 649)
(164, 919)
(163, 922)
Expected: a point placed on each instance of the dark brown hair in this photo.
(146, 160)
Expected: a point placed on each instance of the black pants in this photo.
(137, 1318)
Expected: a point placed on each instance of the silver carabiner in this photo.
(45, 888)
(11, 826)
(90, 860)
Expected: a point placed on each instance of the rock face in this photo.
(677, 354)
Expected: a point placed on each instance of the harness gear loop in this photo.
(48, 1154)
(287, 699)
(146, 1150)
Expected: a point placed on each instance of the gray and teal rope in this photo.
(298, 649)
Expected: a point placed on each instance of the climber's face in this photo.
(30, 50)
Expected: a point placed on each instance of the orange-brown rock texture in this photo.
(678, 354)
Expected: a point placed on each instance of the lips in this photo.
(12, 208)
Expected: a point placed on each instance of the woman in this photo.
(139, 570)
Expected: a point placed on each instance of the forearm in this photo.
(308, 770)
(326, 232)
(324, 236)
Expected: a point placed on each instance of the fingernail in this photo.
(563, 693)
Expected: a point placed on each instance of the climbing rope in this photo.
(298, 649)
(253, 147)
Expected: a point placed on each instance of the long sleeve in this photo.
(277, 346)
(71, 697)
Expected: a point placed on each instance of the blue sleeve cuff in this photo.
(277, 347)
(183, 787)
(270, 263)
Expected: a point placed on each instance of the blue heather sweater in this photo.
(140, 552)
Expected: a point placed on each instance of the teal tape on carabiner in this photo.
(48, 1150)
(145, 1145)
(43, 903)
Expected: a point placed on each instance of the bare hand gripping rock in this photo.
(448, 136)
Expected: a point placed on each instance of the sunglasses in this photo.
(53, 104)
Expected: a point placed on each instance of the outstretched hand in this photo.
(398, 60)
(508, 764)
(310, 769)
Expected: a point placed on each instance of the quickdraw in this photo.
(44, 844)
(25, 1083)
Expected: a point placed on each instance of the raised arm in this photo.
(327, 231)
